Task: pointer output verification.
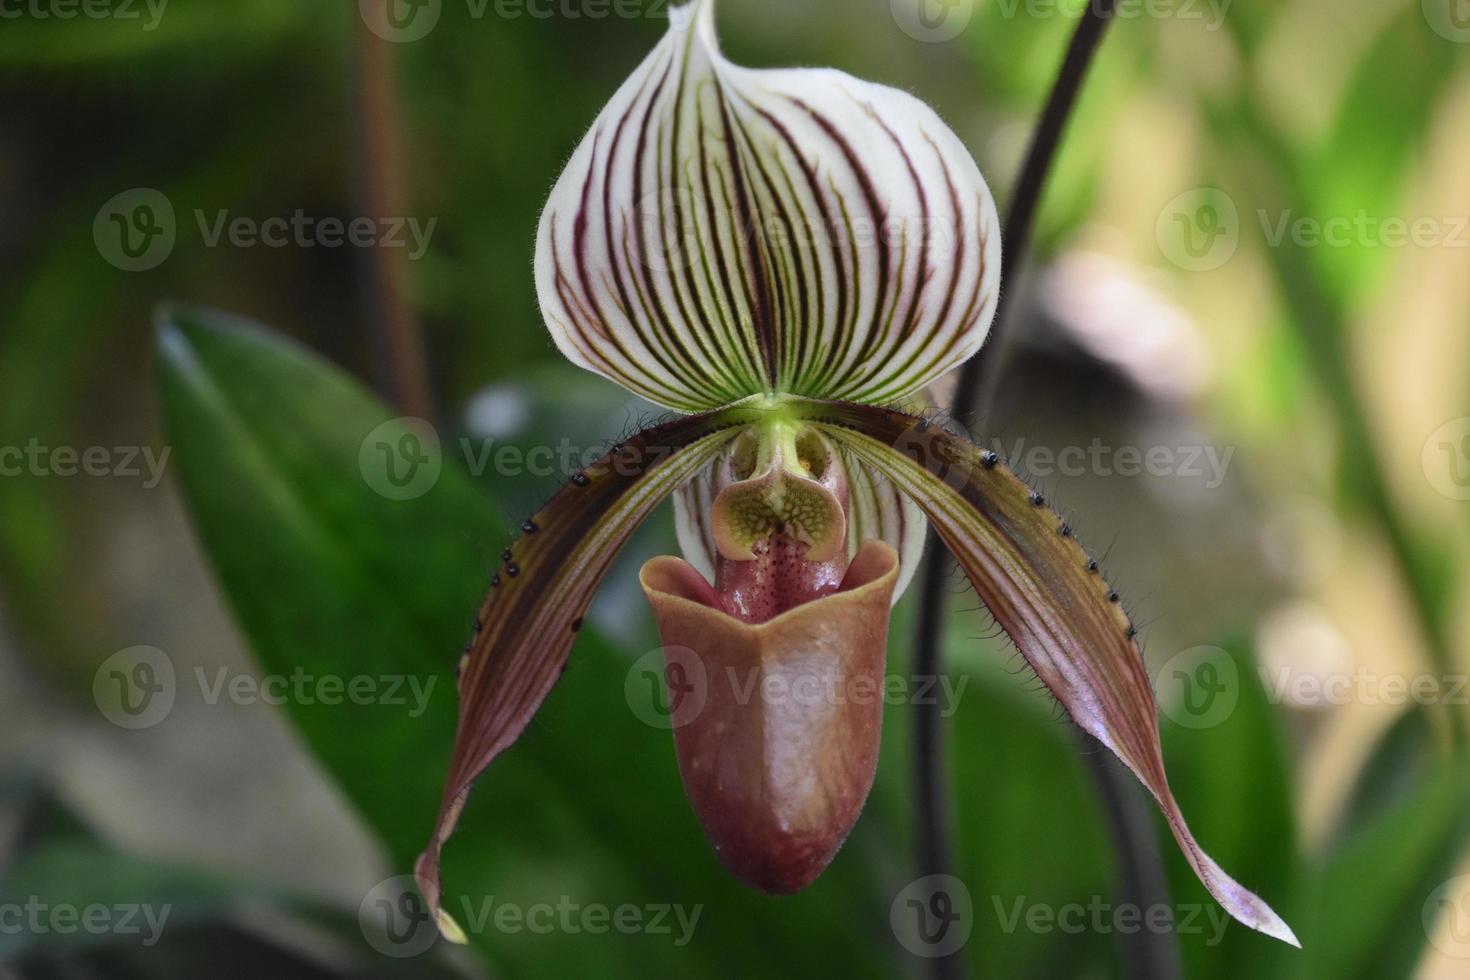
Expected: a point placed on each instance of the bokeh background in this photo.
(1247, 302)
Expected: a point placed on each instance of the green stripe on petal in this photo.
(723, 232)
(542, 589)
(1045, 591)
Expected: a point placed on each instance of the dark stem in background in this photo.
(1140, 867)
(1142, 881)
(402, 374)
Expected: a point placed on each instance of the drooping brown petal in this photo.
(541, 591)
(776, 724)
(1046, 592)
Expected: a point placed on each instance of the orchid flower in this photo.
(780, 257)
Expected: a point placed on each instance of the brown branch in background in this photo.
(1141, 878)
(402, 371)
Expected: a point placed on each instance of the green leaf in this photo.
(323, 571)
(1360, 173)
(1400, 764)
(1364, 916)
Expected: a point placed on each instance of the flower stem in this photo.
(977, 381)
(935, 853)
